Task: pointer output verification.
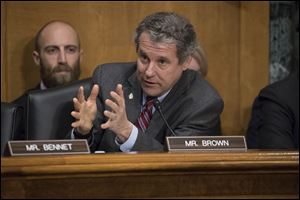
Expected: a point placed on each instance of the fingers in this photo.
(112, 105)
(110, 117)
(76, 115)
(118, 95)
(94, 93)
(106, 125)
(76, 104)
(75, 124)
(119, 90)
(80, 94)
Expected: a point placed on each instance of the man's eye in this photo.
(51, 50)
(162, 62)
(71, 49)
(143, 58)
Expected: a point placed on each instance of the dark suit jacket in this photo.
(275, 116)
(192, 107)
(22, 102)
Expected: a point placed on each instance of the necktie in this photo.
(146, 115)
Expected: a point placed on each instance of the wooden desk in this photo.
(252, 174)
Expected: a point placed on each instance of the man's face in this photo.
(59, 55)
(157, 66)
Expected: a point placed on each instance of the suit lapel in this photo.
(170, 100)
(155, 125)
(133, 95)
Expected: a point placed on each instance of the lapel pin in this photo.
(130, 96)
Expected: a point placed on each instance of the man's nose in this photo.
(62, 56)
(150, 69)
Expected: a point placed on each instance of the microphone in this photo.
(158, 107)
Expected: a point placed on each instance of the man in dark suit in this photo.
(58, 54)
(275, 116)
(118, 118)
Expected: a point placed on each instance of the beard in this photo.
(52, 78)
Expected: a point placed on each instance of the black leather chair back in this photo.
(49, 111)
(11, 118)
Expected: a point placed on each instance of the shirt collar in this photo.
(160, 98)
(42, 85)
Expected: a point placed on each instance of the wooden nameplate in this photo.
(48, 147)
(206, 143)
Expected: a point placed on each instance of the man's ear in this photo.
(36, 58)
(187, 63)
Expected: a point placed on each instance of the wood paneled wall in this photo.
(235, 36)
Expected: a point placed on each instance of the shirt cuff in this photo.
(72, 134)
(129, 143)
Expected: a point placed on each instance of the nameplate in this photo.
(47, 147)
(206, 143)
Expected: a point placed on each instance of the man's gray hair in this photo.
(169, 27)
